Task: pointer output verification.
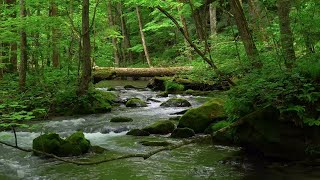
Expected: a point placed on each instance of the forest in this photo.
(103, 83)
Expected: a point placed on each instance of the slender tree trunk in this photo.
(114, 40)
(258, 21)
(126, 40)
(23, 50)
(286, 35)
(86, 52)
(246, 36)
(13, 45)
(55, 37)
(142, 36)
(213, 19)
(186, 31)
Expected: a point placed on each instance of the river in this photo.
(200, 161)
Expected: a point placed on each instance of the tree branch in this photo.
(138, 155)
(198, 51)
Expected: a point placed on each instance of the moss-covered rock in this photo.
(138, 132)
(155, 143)
(163, 94)
(173, 87)
(176, 102)
(49, 143)
(160, 127)
(136, 102)
(121, 119)
(200, 118)
(182, 133)
(176, 118)
(75, 145)
(129, 87)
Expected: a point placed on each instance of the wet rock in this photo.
(129, 87)
(180, 112)
(138, 132)
(163, 94)
(121, 119)
(121, 129)
(200, 118)
(49, 143)
(182, 133)
(74, 145)
(176, 118)
(136, 102)
(160, 127)
(176, 102)
(155, 143)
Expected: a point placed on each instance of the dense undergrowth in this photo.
(52, 93)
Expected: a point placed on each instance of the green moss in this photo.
(136, 102)
(160, 127)
(74, 145)
(182, 133)
(220, 125)
(163, 94)
(172, 87)
(200, 118)
(49, 143)
(121, 119)
(176, 102)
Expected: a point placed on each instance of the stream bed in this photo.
(198, 161)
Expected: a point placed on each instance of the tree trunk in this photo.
(13, 45)
(126, 40)
(86, 51)
(23, 50)
(258, 21)
(286, 35)
(186, 31)
(213, 19)
(55, 39)
(142, 36)
(114, 40)
(246, 36)
(198, 21)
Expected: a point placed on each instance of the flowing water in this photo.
(200, 161)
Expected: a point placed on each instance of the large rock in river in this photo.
(200, 118)
(75, 145)
(160, 127)
(176, 102)
(136, 102)
(182, 133)
(138, 132)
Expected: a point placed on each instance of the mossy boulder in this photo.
(224, 137)
(182, 133)
(155, 143)
(136, 102)
(49, 143)
(160, 127)
(200, 118)
(176, 102)
(175, 118)
(129, 87)
(163, 94)
(138, 132)
(75, 145)
(121, 119)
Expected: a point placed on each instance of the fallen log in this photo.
(107, 73)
